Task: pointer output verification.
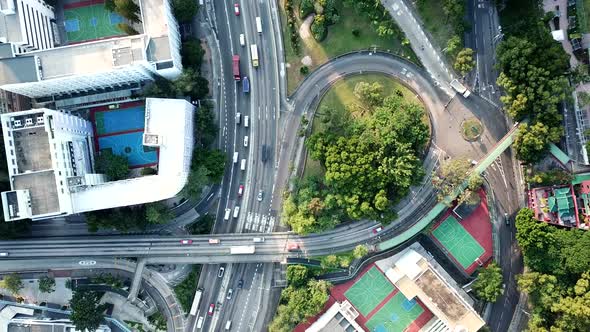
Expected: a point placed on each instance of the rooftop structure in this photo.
(555, 205)
(15, 318)
(25, 25)
(88, 67)
(340, 317)
(415, 277)
(50, 156)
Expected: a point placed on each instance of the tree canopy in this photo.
(46, 284)
(192, 54)
(87, 313)
(360, 251)
(297, 275)
(451, 175)
(488, 285)
(464, 62)
(12, 283)
(115, 167)
(158, 213)
(184, 10)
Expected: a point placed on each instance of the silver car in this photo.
(260, 195)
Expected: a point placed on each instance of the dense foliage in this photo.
(488, 285)
(129, 218)
(185, 291)
(87, 313)
(465, 61)
(370, 163)
(12, 283)
(46, 284)
(184, 10)
(558, 277)
(192, 54)
(533, 70)
(299, 301)
(126, 8)
(449, 178)
(377, 14)
(114, 166)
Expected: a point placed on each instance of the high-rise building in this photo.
(26, 25)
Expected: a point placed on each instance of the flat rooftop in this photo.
(15, 327)
(32, 149)
(441, 296)
(43, 191)
(92, 57)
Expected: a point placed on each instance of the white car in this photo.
(245, 141)
(220, 273)
(242, 40)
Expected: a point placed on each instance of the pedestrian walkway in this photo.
(426, 52)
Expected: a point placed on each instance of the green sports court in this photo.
(395, 315)
(370, 290)
(458, 242)
(84, 23)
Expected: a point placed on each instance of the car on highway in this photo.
(260, 195)
(220, 273)
(236, 211)
(230, 292)
(377, 230)
(246, 121)
(241, 283)
(235, 157)
(240, 190)
(245, 141)
(506, 219)
(242, 39)
(186, 241)
(87, 263)
(227, 214)
(3, 254)
(237, 9)
(211, 309)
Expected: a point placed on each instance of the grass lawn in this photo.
(341, 94)
(339, 40)
(435, 20)
(471, 129)
(583, 8)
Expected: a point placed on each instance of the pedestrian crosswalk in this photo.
(256, 222)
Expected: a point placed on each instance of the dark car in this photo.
(240, 283)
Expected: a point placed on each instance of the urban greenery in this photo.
(549, 178)
(451, 175)
(126, 8)
(114, 166)
(203, 225)
(299, 301)
(184, 10)
(12, 283)
(128, 218)
(87, 313)
(128, 29)
(464, 61)
(444, 20)
(158, 213)
(107, 279)
(488, 285)
(46, 284)
(557, 276)
(360, 251)
(533, 71)
(297, 275)
(186, 289)
(370, 162)
(192, 54)
(158, 320)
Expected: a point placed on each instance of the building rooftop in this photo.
(42, 189)
(22, 69)
(340, 317)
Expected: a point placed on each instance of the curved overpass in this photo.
(163, 249)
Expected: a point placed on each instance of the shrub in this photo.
(305, 8)
(356, 32)
(318, 28)
(304, 70)
(129, 30)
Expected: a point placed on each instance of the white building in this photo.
(26, 25)
(98, 67)
(50, 161)
(16, 318)
(340, 317)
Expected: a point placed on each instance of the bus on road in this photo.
(254, 51)
(196, 302)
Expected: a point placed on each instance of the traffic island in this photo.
(471, 129)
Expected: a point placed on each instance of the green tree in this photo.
(572, 309)
(297, 275)
(488, 285)
(318, 27)
(212, 160)
(360, 251)
(537, 241)
(184, 10)
(205, 128)
(345, 261)
(532, 141)
(87, 313)
(370, 94)
(450, 177)
(192, 53)
(306, 7)
(197, 179)
(115, 167)
(12, 283)
(126, 28)
(160, 88)
(128, 9)
(330, 262)
(190, 84)
(158, 213)
(453, 45)
(464, 62)
(475, 181)
(46, 284)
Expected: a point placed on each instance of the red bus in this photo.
(236, 67)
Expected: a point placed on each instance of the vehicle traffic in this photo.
(246, 121)
(235, 159)
(236, 67)
(196, 302)
(258, 239)
(214, 241)
(260, 195)
(245, 141)
(227, 214)
(243, 165)
(242, 40)
(3, 254)
(246, 85)
(292, 246)
(238, 117)
(240, 190)
(460, 88)
(186, 241)
(236, 211)
(258, 24)
(230, 292)
(211, 309)
(237, 9)
(220, 273)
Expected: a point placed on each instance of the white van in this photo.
(258, 24)
(200, 322)
(236, 211)
(238, 117)
(246, 121)
(235, 157)
(245, 141)
(228, 325)
(227, 214)
(258, 239)
(243, 165)
(242, 39)
(3, 254)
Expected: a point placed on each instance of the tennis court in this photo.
(90, 23)
(130, 145)
(395, 315)
(458, 242)
(372, 288)
(120, 120)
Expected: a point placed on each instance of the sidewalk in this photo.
(31, 293)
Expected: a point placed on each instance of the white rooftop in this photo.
(171, 121)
